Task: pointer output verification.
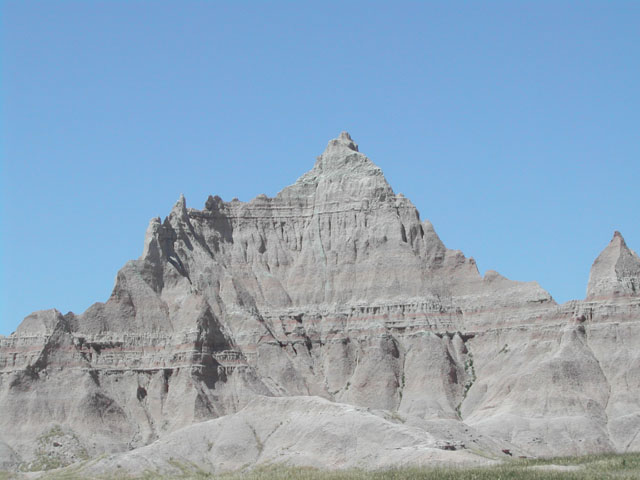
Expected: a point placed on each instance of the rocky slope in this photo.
(300, 431)
(334, 288)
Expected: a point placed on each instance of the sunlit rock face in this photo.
(334, 288)
(616, 271)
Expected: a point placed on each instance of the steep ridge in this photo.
(334, 288)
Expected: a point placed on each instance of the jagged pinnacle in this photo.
(343, 142)
(616, 271)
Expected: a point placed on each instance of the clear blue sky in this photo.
(513, 126)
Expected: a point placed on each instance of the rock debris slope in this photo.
(335, 288)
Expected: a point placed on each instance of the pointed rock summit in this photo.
(616, 271)
(342, 174)
(342, 155)
(342, 142)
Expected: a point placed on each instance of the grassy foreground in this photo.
(590, 467)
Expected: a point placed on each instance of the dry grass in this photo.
(591, 467)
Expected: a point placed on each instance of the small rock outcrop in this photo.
(333, 297)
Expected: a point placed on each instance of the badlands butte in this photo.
(328, 326)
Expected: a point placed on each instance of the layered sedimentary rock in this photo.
(334, 288)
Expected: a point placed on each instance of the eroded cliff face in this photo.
(333, 288)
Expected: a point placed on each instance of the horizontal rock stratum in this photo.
(327, 326)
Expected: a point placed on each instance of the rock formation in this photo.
(335, 289)
(615, 272)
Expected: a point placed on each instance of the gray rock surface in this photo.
(299, 431)
(8, 458)
(333, 289)
(616, 271)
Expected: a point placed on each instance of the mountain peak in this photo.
(617, 237)
(616, 271)
(342, 143)
(341, 174)
(342, 155)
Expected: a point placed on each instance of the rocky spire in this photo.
(616, 271)
(341, 155)
(180, 207)
(344, 141)
(341, 173)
